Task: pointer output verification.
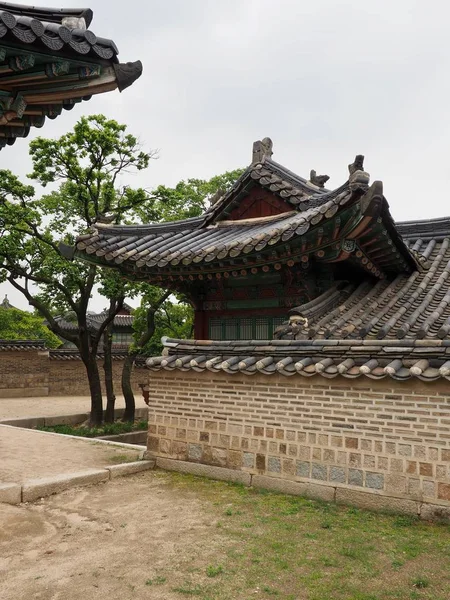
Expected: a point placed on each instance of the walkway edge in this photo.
(142, 449)
(34, 489)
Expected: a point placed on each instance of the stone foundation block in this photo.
(204, 470)
(376, 502)
(130, 468)
(435, 512)
(296, 488)
(10, 493)
(33, 489)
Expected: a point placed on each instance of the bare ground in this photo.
(104, 542)
(28, 454)
(51, 406)
(168, 536)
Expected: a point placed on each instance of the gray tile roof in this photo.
(425, 360)
(95, 320)
(193, 243)
(74, 355)
(411, 306)
(42, 26)
(21, 345)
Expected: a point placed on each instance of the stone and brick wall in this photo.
(22, 372)
(381, 444)
(32, 373)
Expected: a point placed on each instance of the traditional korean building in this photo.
(322, 352)
(49, 61)
(122, 330)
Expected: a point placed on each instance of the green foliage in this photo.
(106, 429)
(87, 162)
(161, 313)
(212, 571)
(187, 199)
(172, 318)
(21, 325)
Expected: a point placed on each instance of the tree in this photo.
(18, 324)
(162, 312)
(88, 163)
(189, 198)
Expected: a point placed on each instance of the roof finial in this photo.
(357, 164)
(262, 149)
(319, 180)
(358, 177)
(6, 303)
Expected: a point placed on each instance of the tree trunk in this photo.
(96, 416)
(127, 390)
(108, 369)
(89, 359)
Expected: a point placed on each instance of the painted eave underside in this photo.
(47, 67)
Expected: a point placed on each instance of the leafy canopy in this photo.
(18, 324)
(87, 163)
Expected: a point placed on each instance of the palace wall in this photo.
(376, 444)
(33, 373)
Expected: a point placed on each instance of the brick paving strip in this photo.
(35, 464)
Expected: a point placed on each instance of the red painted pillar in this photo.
(200, 325)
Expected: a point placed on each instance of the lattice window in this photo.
(215, 329)
(231, 329)
(122, 340)
(246, 328)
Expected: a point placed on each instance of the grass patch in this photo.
(212, 571)
(92, 432)
(268, 545)
(156, 581)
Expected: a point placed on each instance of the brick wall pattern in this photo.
(32, 373)
(382, 437)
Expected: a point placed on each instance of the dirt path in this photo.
(28, 454)
(103, 542)
(50, 406)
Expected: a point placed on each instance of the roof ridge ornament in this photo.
(74, 23)
(218, 195)
(318, 180)
(262, 149)
(358, 177)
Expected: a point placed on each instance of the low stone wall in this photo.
(33, 373)
(23, 373)
(380, 444)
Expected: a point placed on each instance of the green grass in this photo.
(91, 432)
(267, 545)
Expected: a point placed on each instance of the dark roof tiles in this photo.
(22, 345)
(373, 360)
(30, 25)
(185, 242)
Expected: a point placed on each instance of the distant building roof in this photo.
(5, 303)
(94, 320)
(22, 345)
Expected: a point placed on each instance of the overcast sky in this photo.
(326, 80)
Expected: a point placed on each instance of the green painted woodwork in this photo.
(263, 303)
(243, 328)
(40, 58)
